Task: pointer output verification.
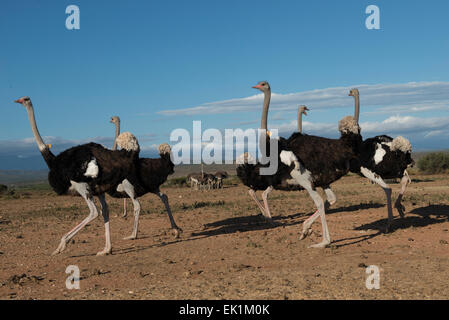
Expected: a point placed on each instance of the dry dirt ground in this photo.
(227, 251)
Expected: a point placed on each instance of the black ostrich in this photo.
(249, 173)
(152, 173)
(89, 169)
(383, 157)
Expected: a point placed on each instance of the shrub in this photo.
(179, 182)
(435, 162)
(3, 189)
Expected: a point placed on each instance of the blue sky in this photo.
(143, 59)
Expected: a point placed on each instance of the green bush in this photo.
(436, 162)
(178, 182)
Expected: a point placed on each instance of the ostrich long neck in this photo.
(266, 105)
(45, 151)
(37, 136)
(117, 133)
(357, 108)
(300, 121)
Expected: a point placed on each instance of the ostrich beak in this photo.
(18, 101)
(257, 87)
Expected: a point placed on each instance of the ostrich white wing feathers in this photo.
(287, 157)
(92, 169)
(379, 155)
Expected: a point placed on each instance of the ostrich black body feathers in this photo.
(71, 165)
(393, 163)
(151, 174)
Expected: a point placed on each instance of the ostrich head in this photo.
(262, 86)
(128, 141)
(348, 125)
(164, 149)
(25, 101)
(353, 92)
(115, 120)
(303, 109)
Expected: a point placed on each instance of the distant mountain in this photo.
(9, 177)
(9, 162)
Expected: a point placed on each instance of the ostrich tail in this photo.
(401, 144)
(245, 158)
(128, 141)
(164, 149)
(348, 125)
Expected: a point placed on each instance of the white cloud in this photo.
(390, 98)
(394, 126)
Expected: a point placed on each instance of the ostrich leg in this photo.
(127, 187)
(253, 195)
(105, 213)
(405, 181)
(83, 190)
(377, 179)
(322, 214)
(176, 230)
(124, 208)
(304, 180)
(331, 199)
(265, 201)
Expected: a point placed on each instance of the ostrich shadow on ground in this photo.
(414, 180)
(417, 218)
(258, 222)
(351, 208)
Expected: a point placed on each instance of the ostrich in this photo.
(196, 179)
(90, 169)
(152, 173)
(220, 175)
(249, 174)
(116, 121)
(311, 162)
(383, 157)
(331, 197)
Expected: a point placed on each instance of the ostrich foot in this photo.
(60, 248)
(268, 220)
(177, 232)
(131, 237)
(305, 233)
(105, 252)
(401, 209)
(322, 244)
(124, 214)
(389, 227)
